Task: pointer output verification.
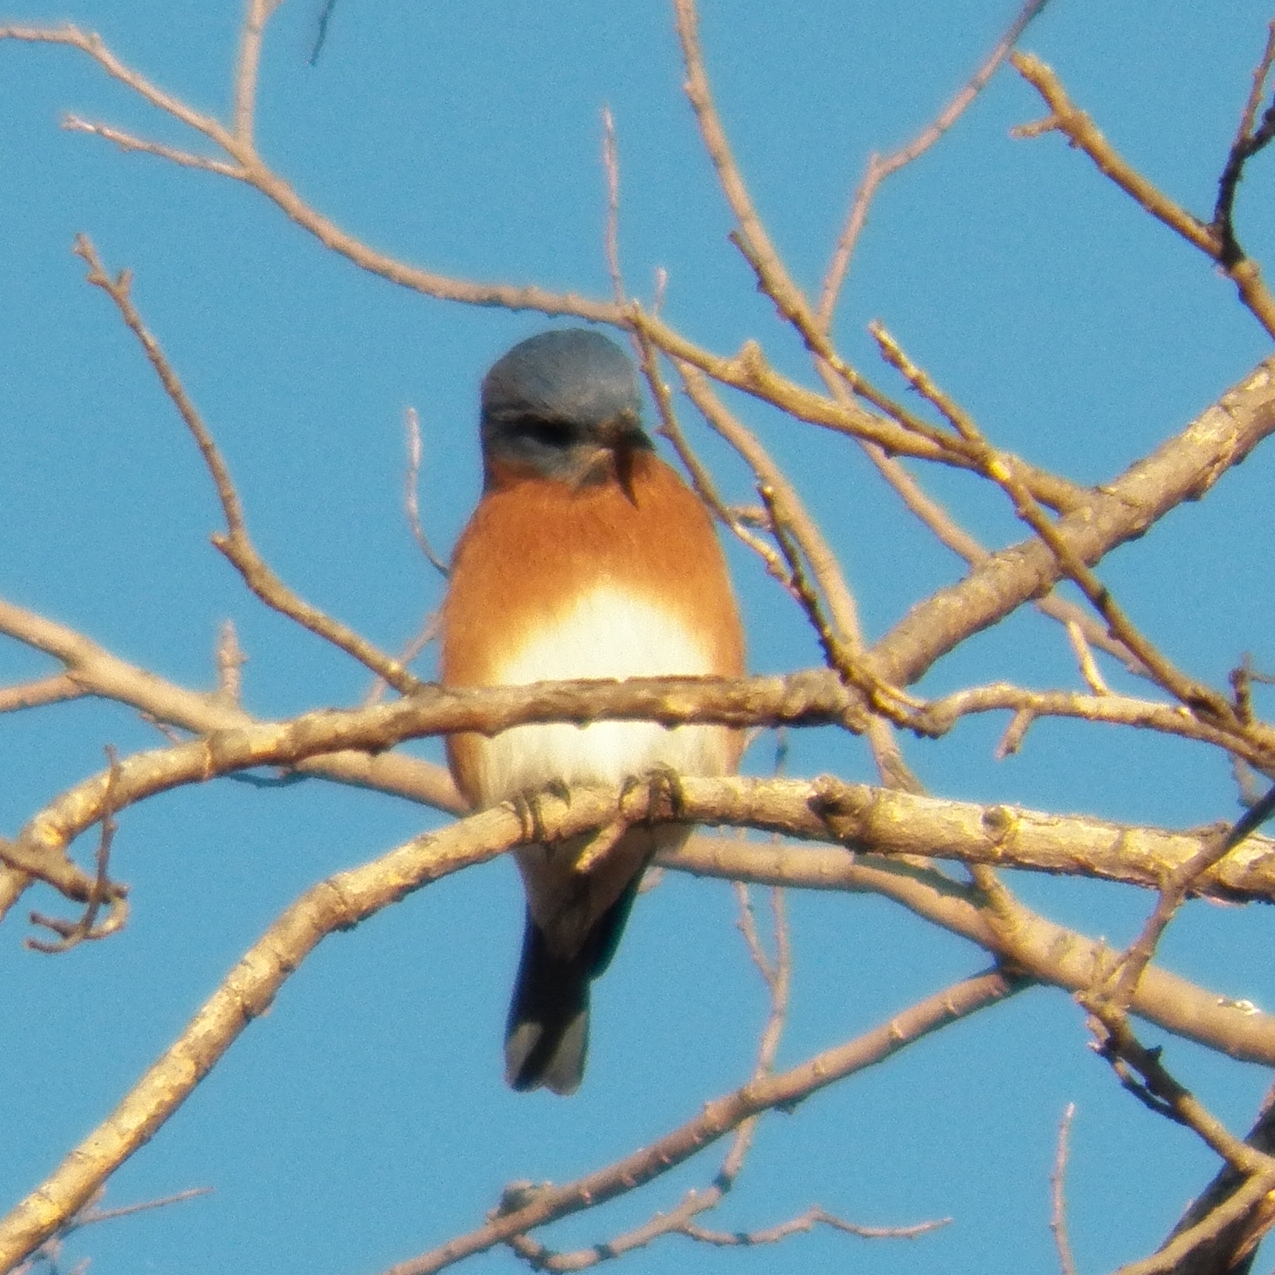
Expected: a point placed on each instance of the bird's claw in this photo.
(666, 794)
(526, 805)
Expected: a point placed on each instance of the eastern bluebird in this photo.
(587, 557)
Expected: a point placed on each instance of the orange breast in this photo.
(554, 581)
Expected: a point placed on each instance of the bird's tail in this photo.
(547, 1034)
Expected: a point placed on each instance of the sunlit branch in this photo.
(235, 542)
(141, 146)
(56, 689)
(998, 467)
(718, 1118)
(1058, 1197)
(335, 904)
(1182, 468)
(879, 168)
(1083, 134)
(1051, 953)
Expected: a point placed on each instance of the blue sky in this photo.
(363, 1119)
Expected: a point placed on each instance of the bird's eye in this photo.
(546, 433)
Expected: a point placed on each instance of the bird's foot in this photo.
(526, 805)
(666, 799)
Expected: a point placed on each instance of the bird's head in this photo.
(563, 405)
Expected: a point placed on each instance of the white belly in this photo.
(606, 634)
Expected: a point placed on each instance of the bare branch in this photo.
(90, 43)
(1049, 952)
(1082, 133)
(880, 168)
(1184, 467)
(825, 809)
(412, 501)
(230, 662)
(1000, 470)
(1224, 1236)
(755, 242)
(611, 238)
(102, 891)
(808, 1221)
(140, 145)
(47, 690)
(1161, 1092)
(933, 516)
(100, 673)
(1253, 743)
(1247, 144)
(1173, 1257)
(338, 903)
(790, 509)
(245, 87)
(701, 479)
(717, 1118)
(235, 542)
(1058, 1199)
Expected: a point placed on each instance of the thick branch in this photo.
(1050, 953)
(339, 902)
(1183, 468)
(824, 809)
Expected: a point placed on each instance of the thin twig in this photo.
(1083, 134)
(807, 1221)
(1248, 142)
(230, 660)
(880, 168)
(890, 701)
(790, 514)
(611, 236)
(413, 647)
(93, 1215)
(677, 1221)
(92, 44)
(411, 499)
(142, 146)
(248, 69)
(321, 30)
(235, 543)
(1058, 1199)
(1084, 658)
(73, 933)
(716, 1119)
(755, 245)
(701, 479)
(1161, 1092)
(793, 513)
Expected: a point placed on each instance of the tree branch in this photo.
(718, 1118)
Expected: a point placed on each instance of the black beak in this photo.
(622, 436)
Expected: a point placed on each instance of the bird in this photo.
(587, 556)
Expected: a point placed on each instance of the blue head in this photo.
(563, 405)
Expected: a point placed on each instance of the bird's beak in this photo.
(619, 438)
